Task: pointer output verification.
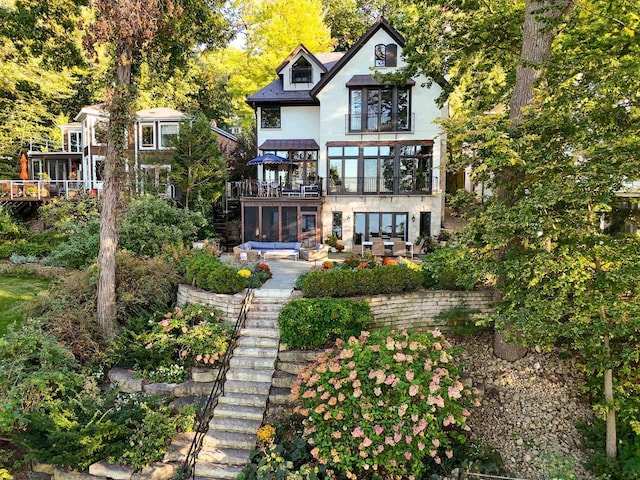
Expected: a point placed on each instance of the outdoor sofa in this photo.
(256, 250)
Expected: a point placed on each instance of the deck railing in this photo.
(30, 190)
(257, 188)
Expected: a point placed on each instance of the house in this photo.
(76, 163)
(355, 155)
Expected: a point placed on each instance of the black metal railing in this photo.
(257, 188)
(379, 123)
(380, 185)
(188, 467)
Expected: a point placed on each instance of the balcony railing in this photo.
(44, 145)
(405, 185)
(30, 190)
(272, 189)
(377, 123)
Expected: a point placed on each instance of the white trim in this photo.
(141, 125)
(167, 124)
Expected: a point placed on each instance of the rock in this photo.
(110, 470)
(165, 389)
(204, 374)
(125, 380)
(157, 471)
(61, 474)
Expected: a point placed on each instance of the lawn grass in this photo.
(15, 292)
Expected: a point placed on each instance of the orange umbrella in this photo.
(23, 167)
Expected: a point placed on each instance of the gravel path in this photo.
(528, 410)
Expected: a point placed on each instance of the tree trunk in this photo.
(611, 448)
(118, 108)
(537, 36)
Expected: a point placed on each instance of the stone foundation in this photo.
(229, 305)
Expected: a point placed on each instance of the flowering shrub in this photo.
(244, 273)
(389, 261)
(388, 401)
(327, 265)
(206, 271)
(192, 335)
(263, 267)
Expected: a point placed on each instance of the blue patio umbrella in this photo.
(268, 159)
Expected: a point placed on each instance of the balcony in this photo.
(378, 123)
(405, 185)
(272, 189)
(37, 190)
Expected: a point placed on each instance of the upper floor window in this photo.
(168, 134)
(301, 71)
(385, 55)
(270, 117)
(75, 141)
(147, 136)
(379, 109)
(99, 132)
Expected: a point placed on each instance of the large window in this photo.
(301, 71)
(75, 141)
(379, 109)
(380, 169)
(386, 225)
(168, 134)
(270, 117)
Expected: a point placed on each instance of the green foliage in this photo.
(205, 271)
(16, 290)
(198, 167)
(64, 213)
(82, 429)
(37, 370)
(81, 247)
(152, 222)
(193, 335)
(313, 323)
(625, 466)
(9, 227)
(462, 321)
(391, 399)
(449, 268)
(332, 240)
(345, 282)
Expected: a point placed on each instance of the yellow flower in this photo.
(266, 433)
(244, 273)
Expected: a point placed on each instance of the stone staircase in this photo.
(240, 410)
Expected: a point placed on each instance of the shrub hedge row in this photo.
(206, 271)
(344, 282)
(315, 322)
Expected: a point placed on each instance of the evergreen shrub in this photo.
(345, 282)
(449, 268)
(204, 270)
(313, 323)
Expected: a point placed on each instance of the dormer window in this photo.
(385, 55)
(301, 71)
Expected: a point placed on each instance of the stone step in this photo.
(234, 411)
(260, 332)
(255, 352)
(231, 456)
(252, 363)
(258, 342)
(256, 388)
(266, 306)
(282, 380)
(238, 425)
(291, 368)
(253, 322)
(246, 399)
(249, 375)
(280, 396)
(220, 439)
(217, 471)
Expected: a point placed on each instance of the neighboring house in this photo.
(362, 158)
(76, 164)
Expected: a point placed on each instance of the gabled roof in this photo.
(380, 23)
(301, 49)
(160, 113)
(274, 93)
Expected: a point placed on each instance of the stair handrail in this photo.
(188, 467)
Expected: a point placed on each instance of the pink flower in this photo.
(392, 462)
(421, 446)
(407, 455)
(436, 442)
(466, 412)
(432, 453)
(397, 437)
(366, 442)
(408, 439)
(420, 426)
(378, 429)
(437, 460)
(389, 441)
(402, 409)
(454, 392)
(439, 401)
(413, 390)
(410, 375)
(449, 453)
(357, 432)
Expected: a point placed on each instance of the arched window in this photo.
(385, 55)
(301, 71)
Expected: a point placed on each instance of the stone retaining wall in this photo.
(229, 305)
(418, 309)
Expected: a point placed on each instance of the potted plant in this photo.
(332, 241)
(340, 247)
(31, 191)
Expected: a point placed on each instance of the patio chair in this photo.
(377, 247)
(417, 249)
(399, 248)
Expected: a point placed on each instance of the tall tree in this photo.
(198, 165)
(161, 32)
(348, 20)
